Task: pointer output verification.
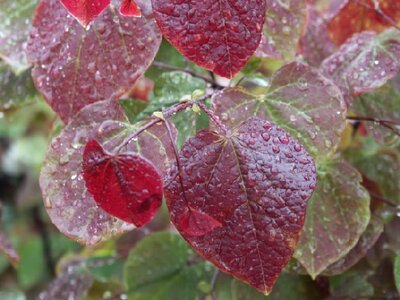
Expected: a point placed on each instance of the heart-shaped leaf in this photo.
(75, 67)
(249, 190)
(85, 11)
(126, 186)
(129, 8)
(221, 42)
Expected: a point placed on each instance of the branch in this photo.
(189, 71)
(391, 125)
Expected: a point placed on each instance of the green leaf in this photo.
(300, 100)
(132, 108)
(337, 214)
(382, 104)
(15, 25)
(397, 272)
(169, 89)
(12, 295)
(288, 287)
(162, 267)
(15, 90)
(351, 285)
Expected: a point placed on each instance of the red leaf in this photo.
(75, 67)
(251, 189)
(196, 223)
(85, 11)
(126, 186)
(217, 35)
(130, 8)
(356, 16)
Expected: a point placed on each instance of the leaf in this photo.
(287, 287)
(223, 41)
(255, 182)
(380, 166)
(70, 207)
(75, 67)
(73, 282)
(15, 25)
(300, 100)
(381, 104)
(85, 11)
(354, 282)
(356, 16)
(316, 45)
(15, 90)
(125, 185)
(169, 89)
(397, 272)
(8, 250)
(12, 295)
(365, 243)
(130, 8)
(160, 268)
(132, 108)
(364, 63)
(285, 22)
(337, 214)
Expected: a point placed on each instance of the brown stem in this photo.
(384, 123)
(211, 81)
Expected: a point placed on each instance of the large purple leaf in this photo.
(75, 67)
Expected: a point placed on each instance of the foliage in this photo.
(270, 128)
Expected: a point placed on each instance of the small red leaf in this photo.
(196, 223)
(85, 11)
(129, 8)
(217, 35)
(126, 186)
(240, 199)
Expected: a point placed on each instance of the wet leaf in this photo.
(253, 185)
(364, 63)
(15, 90)
(75, 67)
(351, 17)
(130, 8)
(381, 104)
(300, 100)
(169, 89)
(73, 282)
(366, 242)
(285, 22)
(351, 284)
(70, 207)
(85, 11)
(15, 25)
(223, 41)
(160, 267)
(337, 215)
(315, 44)
(125, 185)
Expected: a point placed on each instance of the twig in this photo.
(211, 81)
(391, 125)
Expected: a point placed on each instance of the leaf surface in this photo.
(85, 11)
(364, 63)
(300, 100)
(252, 187)
(130, 8)
(161, 267)
(75, 67)
(70, 206)
(221, 42)
(352, 17)
(15, 25)
(125, 185)
(337, 214)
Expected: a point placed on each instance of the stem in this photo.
(167, 113)
(211, 81)
(213, 283)
(384, 123)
